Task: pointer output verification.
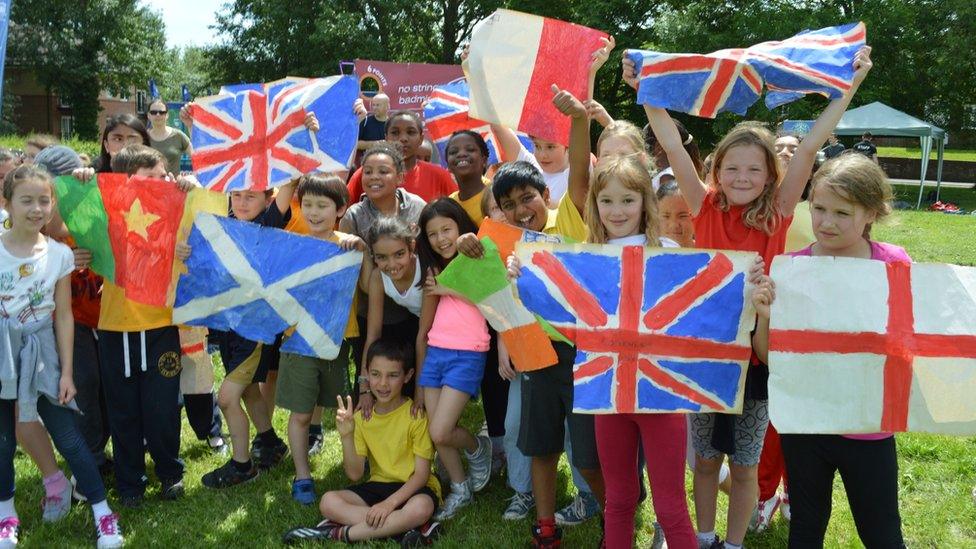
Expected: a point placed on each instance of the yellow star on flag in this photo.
(137, 220)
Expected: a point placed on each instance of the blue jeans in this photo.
(518, 465)
(60, 423)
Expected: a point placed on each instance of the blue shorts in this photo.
(461, 370)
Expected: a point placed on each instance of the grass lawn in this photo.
(916, 152)
(936, 474)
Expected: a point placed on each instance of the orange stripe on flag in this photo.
(529, 347)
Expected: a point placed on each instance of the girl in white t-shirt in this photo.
(36, 349)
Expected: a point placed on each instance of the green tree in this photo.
(189, 66)
(267, 39)
(77, 49)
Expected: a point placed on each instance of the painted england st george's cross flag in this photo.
(863, 346)
(253, 136)
(259, 282)
(655, 330)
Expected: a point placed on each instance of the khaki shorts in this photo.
(305, 382)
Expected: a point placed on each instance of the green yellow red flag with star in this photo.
(131, 225)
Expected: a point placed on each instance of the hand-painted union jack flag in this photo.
(253, 136)
(819, 61)
(446, 111)
(655, 330)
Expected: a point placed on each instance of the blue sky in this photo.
(187, 20)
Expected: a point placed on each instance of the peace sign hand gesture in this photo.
(344, 412)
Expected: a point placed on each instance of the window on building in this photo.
(67, 127)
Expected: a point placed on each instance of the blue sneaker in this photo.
(583, 507)
(303, 491)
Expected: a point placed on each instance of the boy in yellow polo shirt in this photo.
(401, 494)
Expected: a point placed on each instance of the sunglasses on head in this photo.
(157, 112)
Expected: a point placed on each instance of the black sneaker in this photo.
(131, 502)
(546, 542)
(422, 536)
(267, 456)
(171, 489)
(227, 475)
(323, 531)
(315, 442)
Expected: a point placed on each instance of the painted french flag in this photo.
(514, 60)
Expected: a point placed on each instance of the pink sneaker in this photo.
(108, 531)
(9, 528)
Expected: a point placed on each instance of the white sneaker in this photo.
(519, 506)
(479, 464)
(763, 515)
(459, 497)
(109, 532)
(784, 506)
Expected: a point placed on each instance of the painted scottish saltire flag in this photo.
(818, 61)
(862, 346)
(259, 282)
(446, 111)
(655, 330)
(253, 136)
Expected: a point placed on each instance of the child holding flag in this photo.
(849, 193)
(35, 281)
(307, 382)
(746, 205)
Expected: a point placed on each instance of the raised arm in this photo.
(798, 172)
(508, 142)
(692, 187)
(669, 139)
(600, 57)
(579, 146)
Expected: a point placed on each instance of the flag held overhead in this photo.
(819, 61)
(513, 61)
(253, 136)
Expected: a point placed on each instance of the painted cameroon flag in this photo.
(131, 226)
(484, 282)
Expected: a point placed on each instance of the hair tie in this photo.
(688, 140)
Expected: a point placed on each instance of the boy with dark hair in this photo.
(247, 363)
(866, 147)
(305, 383)
(547, 394)
(401, 494)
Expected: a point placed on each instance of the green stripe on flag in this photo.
(476, 279)
(83, 211)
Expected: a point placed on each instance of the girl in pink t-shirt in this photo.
(452, 346)
(849, 193)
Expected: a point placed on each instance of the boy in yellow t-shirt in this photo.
(305, 383)
(401, 495)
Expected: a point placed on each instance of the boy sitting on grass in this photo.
(401, 495)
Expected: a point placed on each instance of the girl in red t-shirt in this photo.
(745, 205)
(426, 180)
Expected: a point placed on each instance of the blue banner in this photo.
(153, 90)
(4, 21)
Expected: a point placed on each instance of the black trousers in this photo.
(143, 406)
(869, 470)
(203, 414)
(494, 391)
(93, 419)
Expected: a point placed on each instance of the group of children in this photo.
(421, 352)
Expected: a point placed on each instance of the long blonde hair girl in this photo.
(631, 171)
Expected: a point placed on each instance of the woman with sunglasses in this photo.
(169, 141)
